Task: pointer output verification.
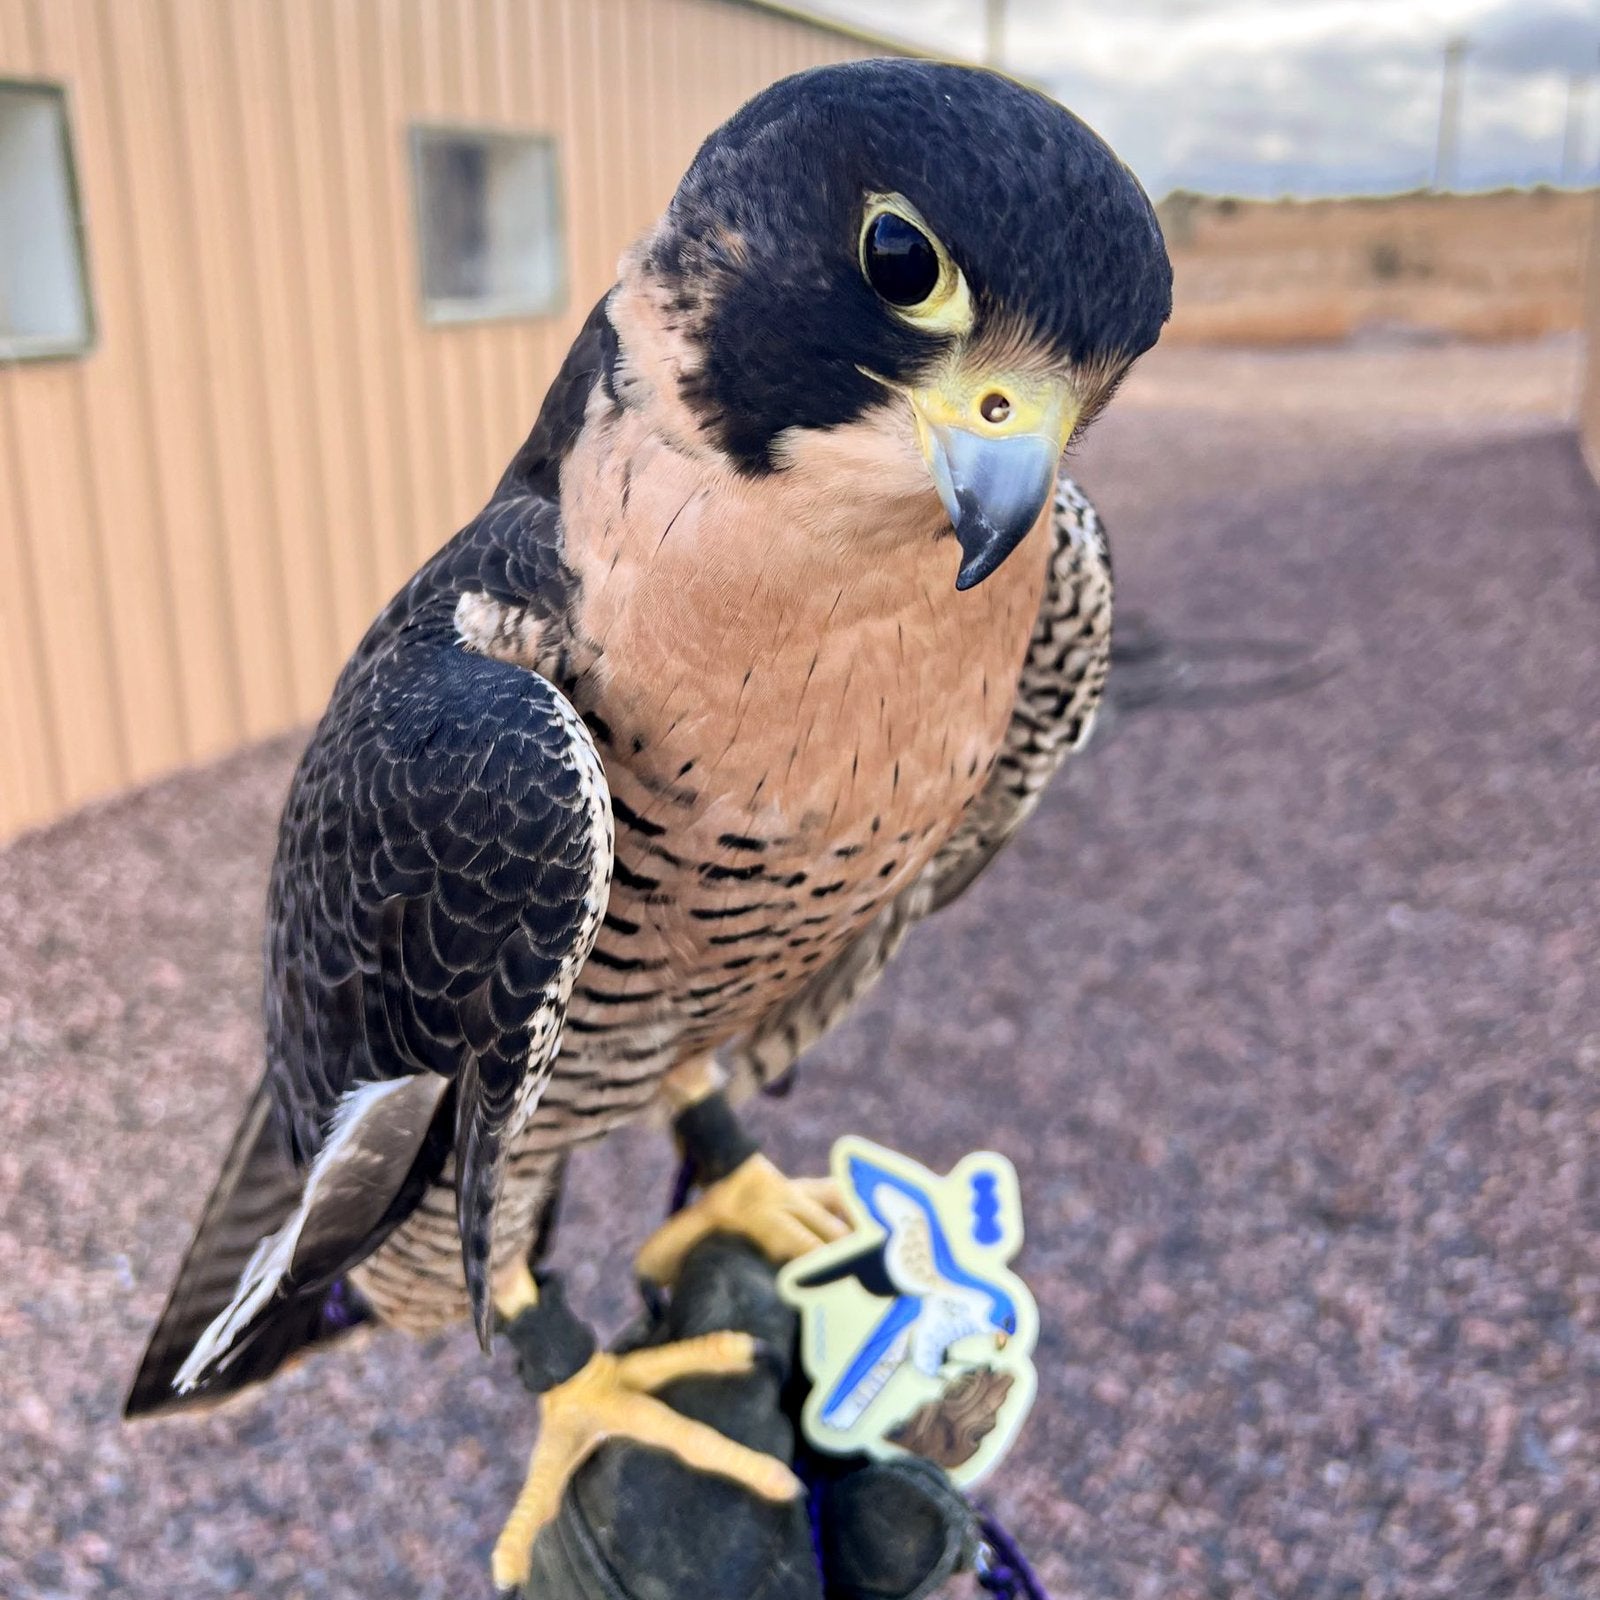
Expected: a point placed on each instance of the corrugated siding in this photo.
(198, 518)
(1589, 409)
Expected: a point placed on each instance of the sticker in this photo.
(916, 1336)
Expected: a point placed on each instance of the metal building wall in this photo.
(1589, 400)
(199, 517)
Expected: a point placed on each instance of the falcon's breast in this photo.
(786, 748)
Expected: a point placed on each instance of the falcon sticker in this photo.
(915, 1334)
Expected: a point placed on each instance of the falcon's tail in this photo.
(255, 1194)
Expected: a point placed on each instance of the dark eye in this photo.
(900, 261)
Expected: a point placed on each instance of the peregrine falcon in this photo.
(768, 639)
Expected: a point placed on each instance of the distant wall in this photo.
(1502, 265)
(199, 517)
(1589, 419)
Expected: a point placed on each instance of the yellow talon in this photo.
(612, 1398)
(785, 1218)
(515, 1291)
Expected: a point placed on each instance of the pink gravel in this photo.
(1289, 1013)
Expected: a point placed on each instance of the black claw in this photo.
(713, 1138)
(552, 1342)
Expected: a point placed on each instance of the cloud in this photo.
(1263, 97)
(1531, 38)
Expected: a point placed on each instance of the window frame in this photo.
(18, 348)
(453, 311)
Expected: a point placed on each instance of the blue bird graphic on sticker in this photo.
(934, 1302)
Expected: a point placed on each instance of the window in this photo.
(44, 291)
(488, 224)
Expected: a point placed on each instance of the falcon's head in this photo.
(906, 283)
(1002, 1317)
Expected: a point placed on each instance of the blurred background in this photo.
(282, 283)
(1285, 1003)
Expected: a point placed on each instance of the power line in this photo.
(1445, 161)
(1572, 141)
(994, 32)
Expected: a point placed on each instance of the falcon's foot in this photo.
(785, 1218)
(588, 1396)
(612, 1397)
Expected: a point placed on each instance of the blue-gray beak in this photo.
(993, 489)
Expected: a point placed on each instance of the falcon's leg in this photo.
(589, 1396)
(744, 1195)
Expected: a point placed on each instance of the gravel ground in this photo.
(1287, 1011)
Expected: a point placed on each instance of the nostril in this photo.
(994, 407)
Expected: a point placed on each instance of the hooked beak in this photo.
(993, 449)
(1001, 1339)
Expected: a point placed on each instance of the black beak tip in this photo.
(972, 573)
(984, 547)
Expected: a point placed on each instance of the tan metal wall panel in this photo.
(52, 493)
(236, 487)
(270, 302)
(186, 534)
(1589, 402)
(199, 517)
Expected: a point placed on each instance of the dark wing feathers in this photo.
(435, 892)
(442, 863)
(255, 1193)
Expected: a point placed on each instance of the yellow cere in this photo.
(998, 404)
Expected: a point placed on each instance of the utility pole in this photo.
(1445, 158)
(1572, 144)
(994, 33)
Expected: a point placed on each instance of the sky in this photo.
(1268, 97)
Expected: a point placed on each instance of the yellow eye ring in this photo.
(946, 307)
